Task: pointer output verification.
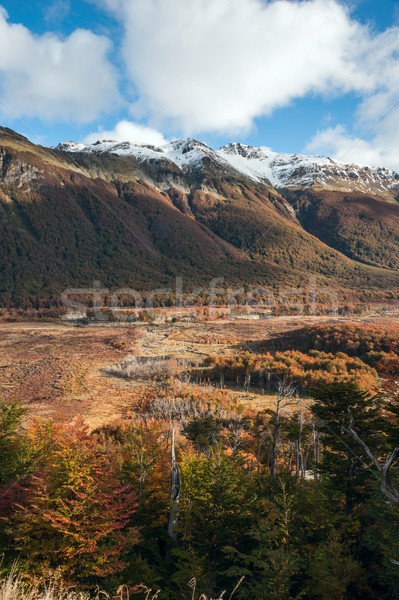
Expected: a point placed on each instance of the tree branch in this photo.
(388, 487)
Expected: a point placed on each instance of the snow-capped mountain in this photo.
(301, 171)
(262, 165)
(138, 216)
(186, 154)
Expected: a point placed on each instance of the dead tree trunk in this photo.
(275, 436)
(315, 452)
(305, 457)
(299, 455)
(388, 488)
(247, 381)
(175, 488)
(285, 393)
(221, 380)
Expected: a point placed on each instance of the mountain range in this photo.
(137, 216)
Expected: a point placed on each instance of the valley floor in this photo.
(57, 370)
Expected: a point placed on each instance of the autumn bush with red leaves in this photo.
(75, 512)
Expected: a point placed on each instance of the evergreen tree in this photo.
(343, 465)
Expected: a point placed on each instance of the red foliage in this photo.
(76, 516)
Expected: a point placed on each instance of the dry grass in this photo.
(13, 587)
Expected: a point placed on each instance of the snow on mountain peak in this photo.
(261, 165)
(303, 171)
(183, 153)
(279, 168)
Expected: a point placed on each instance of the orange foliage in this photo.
(307, 370)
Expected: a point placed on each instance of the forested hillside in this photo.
(69, 218)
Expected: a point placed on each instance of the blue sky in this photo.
(315, 76)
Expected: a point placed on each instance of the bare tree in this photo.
(174, 492)
(236, 432)
(388, 488)
(285, 397)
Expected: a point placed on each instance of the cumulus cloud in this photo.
(380, 150)
(376, 121)
(53, 78)
(216, 65)
(126, 131)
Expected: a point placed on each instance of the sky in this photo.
(303, 76)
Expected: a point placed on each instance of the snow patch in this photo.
(259, 164)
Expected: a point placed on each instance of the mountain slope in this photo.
(296, 171)
(346, 206)
(137, 216)
(362, 226)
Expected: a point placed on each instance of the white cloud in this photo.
(380, 150)
(126, 131)
(212, 66)
(215, 65)
(57, 11)
(376, 122)
(55, 79)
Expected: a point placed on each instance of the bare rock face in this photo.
(14, 171)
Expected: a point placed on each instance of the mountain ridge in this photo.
(70, 217)
(279, 170)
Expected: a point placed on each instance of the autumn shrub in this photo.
(352, 339)
(386, 363)
(288, 500)
(305, 370)
(74, 516)
(13, 451)
(376, 346)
